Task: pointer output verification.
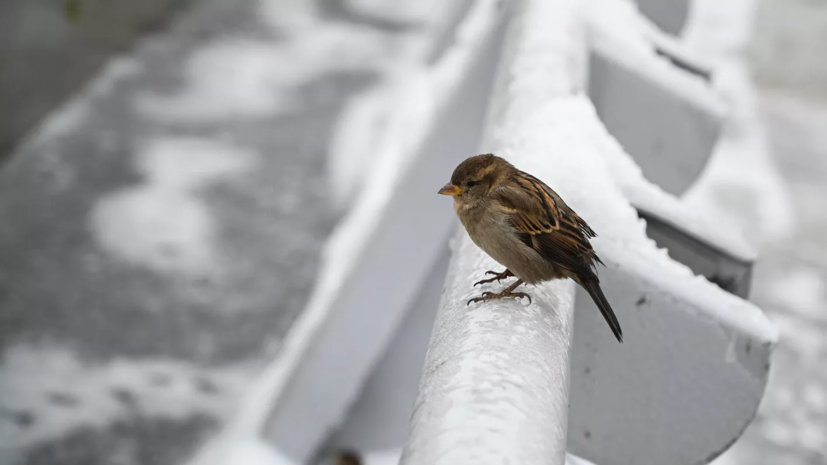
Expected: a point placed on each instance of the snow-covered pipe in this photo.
(495, 384)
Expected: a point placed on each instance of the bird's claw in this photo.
(520, 295)
(486, 296)
(497, 277)
(482, 298)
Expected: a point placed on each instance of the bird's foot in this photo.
(486, 296)
(497, 276)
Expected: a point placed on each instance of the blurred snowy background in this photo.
(140, 293)
(786, 56)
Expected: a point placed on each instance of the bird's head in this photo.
(475, 177)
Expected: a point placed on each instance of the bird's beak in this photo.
(450, 189)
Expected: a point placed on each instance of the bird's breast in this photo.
(496, 237)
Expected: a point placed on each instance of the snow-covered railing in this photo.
(495, 386)
(510, 382)
(692, 369)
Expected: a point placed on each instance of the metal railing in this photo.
(505, 382)
(495, 387)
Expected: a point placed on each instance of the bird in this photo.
(526, 227)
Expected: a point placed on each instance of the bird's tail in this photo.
(592, 286)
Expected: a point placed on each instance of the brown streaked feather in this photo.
(523, 224)
(548, 225)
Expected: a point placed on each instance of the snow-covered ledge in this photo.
(495, 385)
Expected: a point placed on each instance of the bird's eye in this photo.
(470, 183)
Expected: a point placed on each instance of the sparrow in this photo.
(525, 226)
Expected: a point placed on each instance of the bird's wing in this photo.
(546, 224)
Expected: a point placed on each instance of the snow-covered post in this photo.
(495, 384)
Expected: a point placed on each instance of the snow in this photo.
(801, 291)
(407, 12)
(240, 449)
(392, 456)
(547, 126)
(698, 222)
(241, 77)
(61, 393)
(740, 188)
(570, 126)
(62, 121)
(788, 53)
(762, 194)
(384, 123)
(391, 116)
(381, 457)
(163, 223)
(618, 28)
(575, 460)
